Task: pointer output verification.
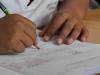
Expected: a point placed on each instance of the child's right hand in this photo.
(16, 33)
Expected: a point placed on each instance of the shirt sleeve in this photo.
(94, 4)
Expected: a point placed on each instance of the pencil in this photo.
(4, 9)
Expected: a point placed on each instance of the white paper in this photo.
(4, 71)
(50, 59)
(93, 71)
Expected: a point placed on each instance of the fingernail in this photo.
(70, 41)
(46, 38)
(59, 41)
(83, 39)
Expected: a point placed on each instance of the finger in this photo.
(17, 47)
(84, 34)
(4, 51)
(29, 24)
(26, 40)
(41, 34)
(67, 29)
(31, 32)
(55, 24)
(75, 34)
(26, 21)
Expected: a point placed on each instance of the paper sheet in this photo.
(4, 71)
(50, 59)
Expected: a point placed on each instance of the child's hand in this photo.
(16, 33)
(67, 24)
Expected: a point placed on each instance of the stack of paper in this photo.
(50, 59)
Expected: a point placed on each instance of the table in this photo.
(92, 22)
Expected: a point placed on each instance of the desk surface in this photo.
(92, 22)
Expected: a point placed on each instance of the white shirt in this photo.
(39, 11)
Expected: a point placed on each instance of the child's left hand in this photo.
(67, 25)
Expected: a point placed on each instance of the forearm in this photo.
(78, 6)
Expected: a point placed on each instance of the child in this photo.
(18, 29)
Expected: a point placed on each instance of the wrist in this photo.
(74, 7)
